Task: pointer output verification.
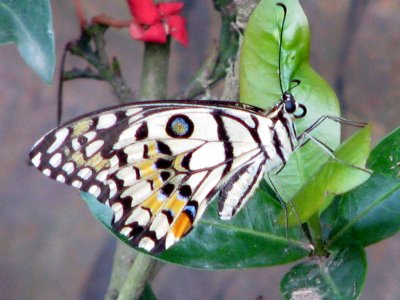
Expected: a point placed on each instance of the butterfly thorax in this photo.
(277, 130)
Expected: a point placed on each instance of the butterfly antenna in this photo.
(61, 85)
(280, 44)
(296, 84)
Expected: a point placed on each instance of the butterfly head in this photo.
(291, 107)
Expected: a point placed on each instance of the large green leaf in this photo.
(252, 239)
(371, 212)
(259, 83)
(339, 277)
(333, 178)
(29, 25)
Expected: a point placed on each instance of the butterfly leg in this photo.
(330, 152)
(283, 203)
(280, 168)
(304, 227)
(322, 119)
(305, 137)
(302, 137)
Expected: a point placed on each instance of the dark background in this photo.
(50, 245)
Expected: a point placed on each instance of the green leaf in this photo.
(252, 239)
(333, 178)
(259, 83)
(341, 277)
(385, 158)
(103, 214)
(148, 293)
(371, 212)
(29, 25)
(100, 211)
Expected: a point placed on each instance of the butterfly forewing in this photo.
(158, 164)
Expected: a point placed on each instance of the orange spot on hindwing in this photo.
(182, 226)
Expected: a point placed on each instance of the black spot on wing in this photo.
(165, 175)
(186, 161)
(142, 132)
(167, 189)
(122, 157)
(82, 140)
(185, 191)
(163, 148)
(163, 163)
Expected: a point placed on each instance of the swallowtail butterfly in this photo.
(158, 164)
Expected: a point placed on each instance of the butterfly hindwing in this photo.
(158, 164)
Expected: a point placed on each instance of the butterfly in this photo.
(158, 164)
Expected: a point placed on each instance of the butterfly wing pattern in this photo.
(159, 164)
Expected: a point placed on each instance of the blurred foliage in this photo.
(28, 24)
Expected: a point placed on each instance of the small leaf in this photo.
(371, 212)
(252, 239)
(259, 83)
(333, 178)
(341, 276)
(29, 25)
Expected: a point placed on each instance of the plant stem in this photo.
(155, 71)
(142, 271)
(123, 261)
(91, 47)
(153, 86)
(214, 68)
(316, 232)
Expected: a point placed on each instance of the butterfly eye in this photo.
(290, 106)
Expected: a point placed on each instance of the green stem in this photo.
(316, 232)
(153, 86)
(123, 260)
(143, 270)
(155, 71)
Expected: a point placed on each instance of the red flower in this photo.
(154, 22)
